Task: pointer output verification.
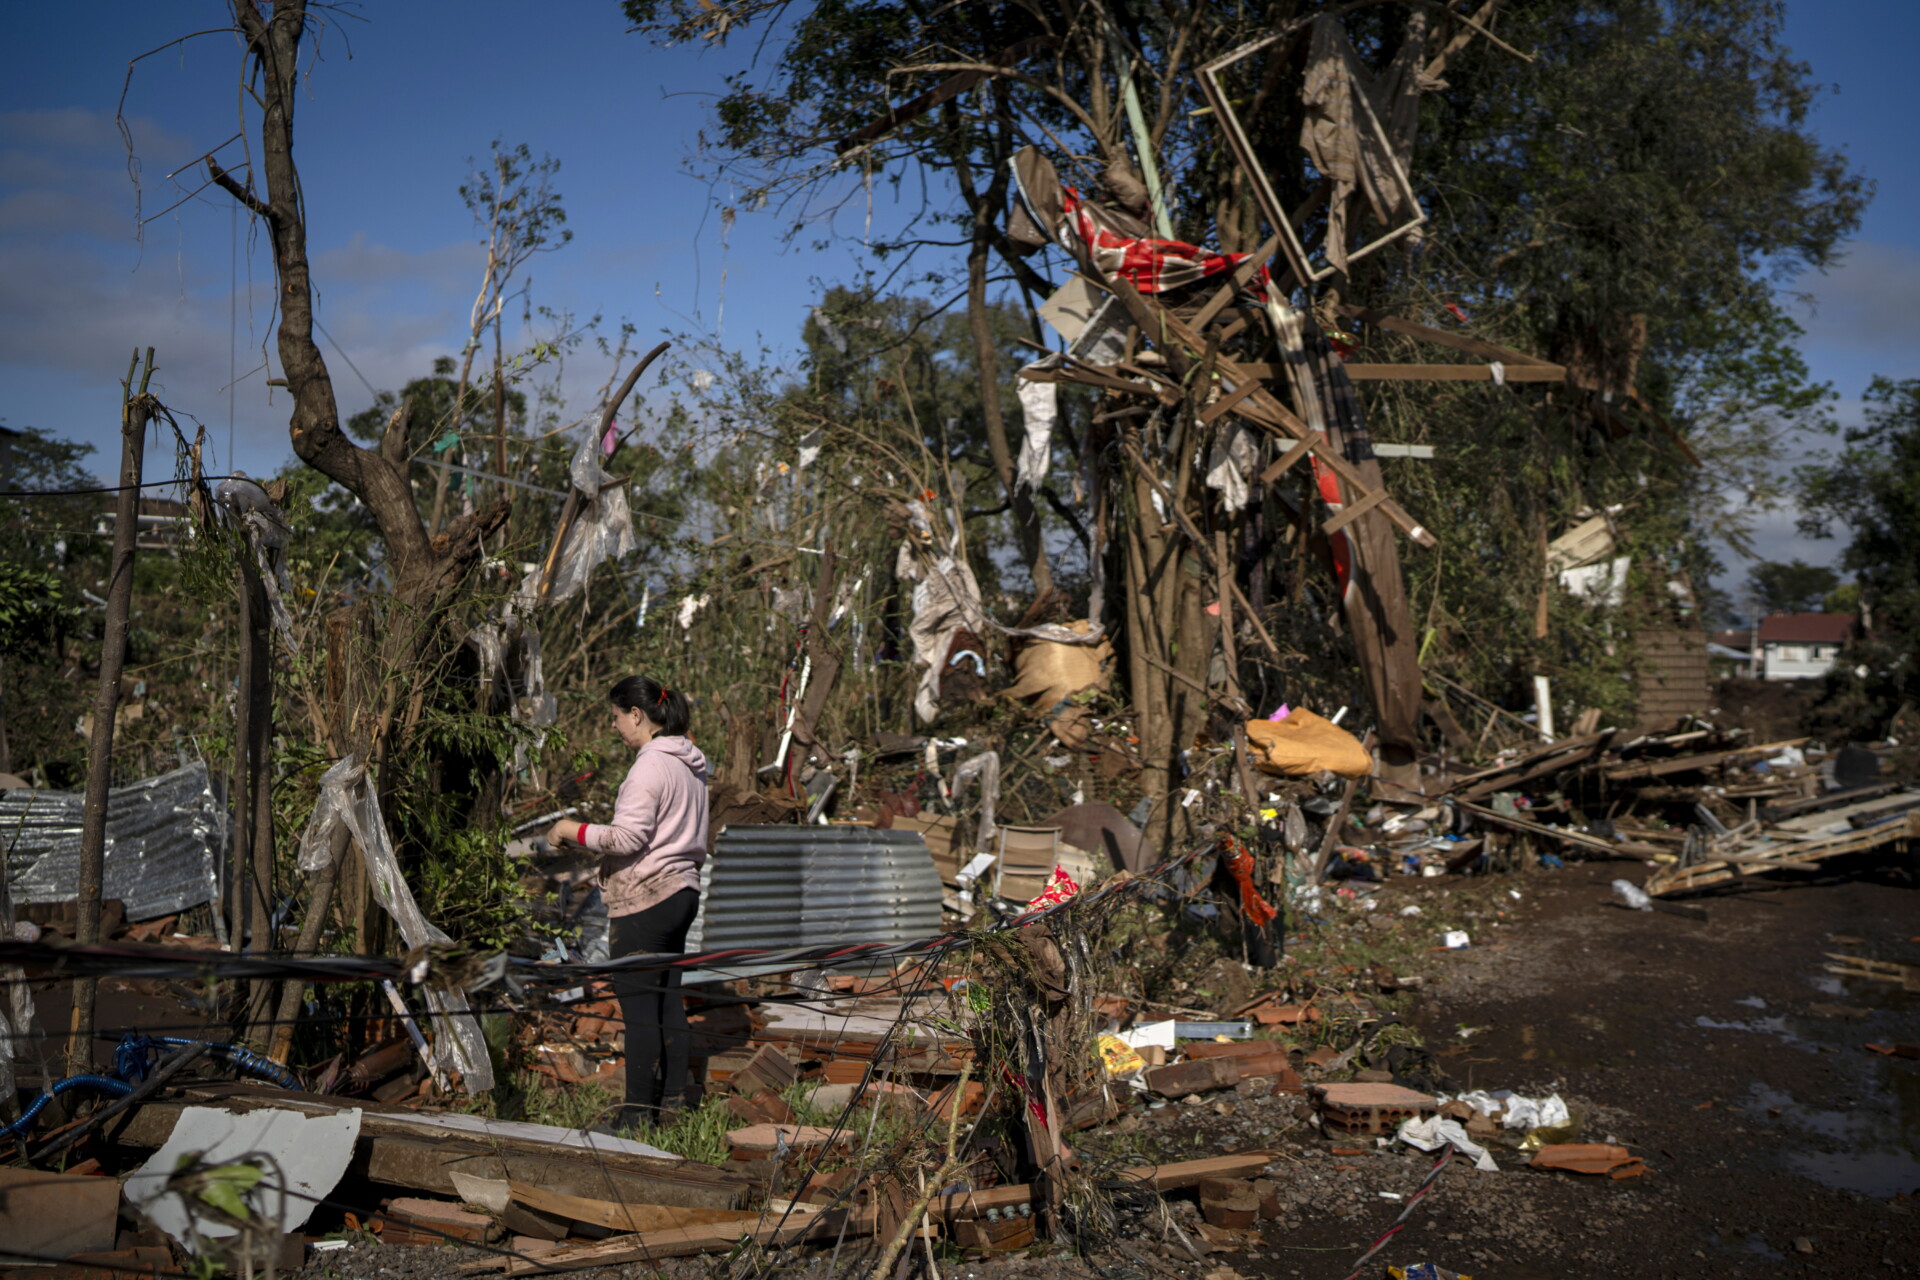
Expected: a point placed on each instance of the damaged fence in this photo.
(162, 845)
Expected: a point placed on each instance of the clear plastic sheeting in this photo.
(603, 529)
(534, 706)
(1632, 895)
(338, 792)
(266, 534)
(1039, 410)
(163, 835)
(508, 655)
(489, 647)
(347, 797)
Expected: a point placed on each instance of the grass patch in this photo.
(534, 1098)
(699, 1134)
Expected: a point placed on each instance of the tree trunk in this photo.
(240, 780)
(986, 209)
(424, 569)
(258, 692)
(135, 413)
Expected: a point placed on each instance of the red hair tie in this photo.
(662, 699)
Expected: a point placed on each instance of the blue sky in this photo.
(399, 102)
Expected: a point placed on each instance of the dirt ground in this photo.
(1720, 1051)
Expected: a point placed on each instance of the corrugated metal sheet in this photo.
(161, 843)
(791, 886)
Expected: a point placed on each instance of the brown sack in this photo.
(1058, 671)
(1305, 743)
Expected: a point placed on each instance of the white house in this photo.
(1801, 646)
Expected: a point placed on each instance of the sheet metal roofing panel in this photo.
(162, 835)
(781, 885)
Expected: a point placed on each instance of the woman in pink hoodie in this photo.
(650, 875)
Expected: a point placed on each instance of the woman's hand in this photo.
(561, 834)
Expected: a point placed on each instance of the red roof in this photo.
(1806, 628)
(1737, 638)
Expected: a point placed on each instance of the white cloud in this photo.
(78, 292)
(1865, 306)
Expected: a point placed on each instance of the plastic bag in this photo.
(1229, 463)
(331, 809)
(1430, 1133)
(1039, 409)
(603, 529)
(346, 796)
(535, 706)
(1304, 744)
(1633, 895)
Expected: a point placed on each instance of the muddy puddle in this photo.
(1861, 1133)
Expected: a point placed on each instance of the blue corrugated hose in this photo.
(99, 1084)
(132, 1060)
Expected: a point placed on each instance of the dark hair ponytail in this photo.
(666, 707)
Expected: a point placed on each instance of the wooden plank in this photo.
(773, 1230)
(1235, 282)
(1086, 377)
(1262, 408)
(1543, 768)
(1287, 461)
(768, 1229)
(1575, 838)
(1832, 800)
(1227, 403)
(1353, 511)
(1521, 763)
(1439, 337)
(1189, 1173)
(1642, 769)
(390, 1151)
(1815, 824)
(620, 1215)
(1780, 855)
(1454, 373)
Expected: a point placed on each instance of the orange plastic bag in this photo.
(1305, 743)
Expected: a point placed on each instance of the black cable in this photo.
(111, 488)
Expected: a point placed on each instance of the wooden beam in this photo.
(1353, 511)
(396, 1147)
(1262, 407)
(776, 1228)
(1439, 337)
(1228, 403)
(1287, 461)
(1454, 373)
(1235, 282)
(620, 1215)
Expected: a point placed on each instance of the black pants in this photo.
(651, 1004)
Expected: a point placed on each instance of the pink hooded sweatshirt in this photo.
(657, 840)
